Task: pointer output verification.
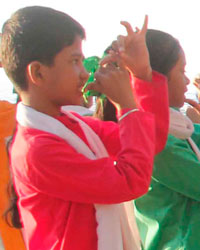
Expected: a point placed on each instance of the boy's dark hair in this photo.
(35, 34)
(163, 50)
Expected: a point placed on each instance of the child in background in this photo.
(72, 174)
(168, 215)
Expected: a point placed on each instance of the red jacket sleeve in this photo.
(153, 97)
(56, 169)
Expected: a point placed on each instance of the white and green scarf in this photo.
(182, 127)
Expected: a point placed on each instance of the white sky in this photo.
(101, 20)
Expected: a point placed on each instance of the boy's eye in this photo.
(75, 60)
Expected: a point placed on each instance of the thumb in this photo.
(93, 86)
(126, 60)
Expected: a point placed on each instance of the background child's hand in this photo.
(197, 83)
(193, 112)
(193, 103)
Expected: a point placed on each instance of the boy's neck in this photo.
(42, 106)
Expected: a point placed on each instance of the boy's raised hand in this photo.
(133, 51)
(129, 52)
(114, 82)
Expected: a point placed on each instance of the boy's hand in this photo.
(114, 82)
(133, 51)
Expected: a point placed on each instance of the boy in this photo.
(66, 167)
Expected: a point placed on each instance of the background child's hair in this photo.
(35, 34)
(105, 110)
(163, 50)
(11, 215)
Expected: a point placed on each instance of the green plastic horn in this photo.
(91, 64)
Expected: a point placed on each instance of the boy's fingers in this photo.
(111, 66)
(114, 45)
(121, 65)
(93, 86)
(108, 59)
(115, 63)
(128, 27)
(121, 43)
(137, 30)
(145, 25)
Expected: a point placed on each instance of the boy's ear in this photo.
(35, 72)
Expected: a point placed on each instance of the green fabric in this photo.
(168, 216)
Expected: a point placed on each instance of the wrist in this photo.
(125, 114)
(145, 74)
(123, 106)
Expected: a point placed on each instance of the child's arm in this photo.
(131, 57)
(56, 169)
(149, 88)
(151, 95)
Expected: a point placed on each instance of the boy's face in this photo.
(67, 76)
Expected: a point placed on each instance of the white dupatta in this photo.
(117, 229)
(182, 127)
